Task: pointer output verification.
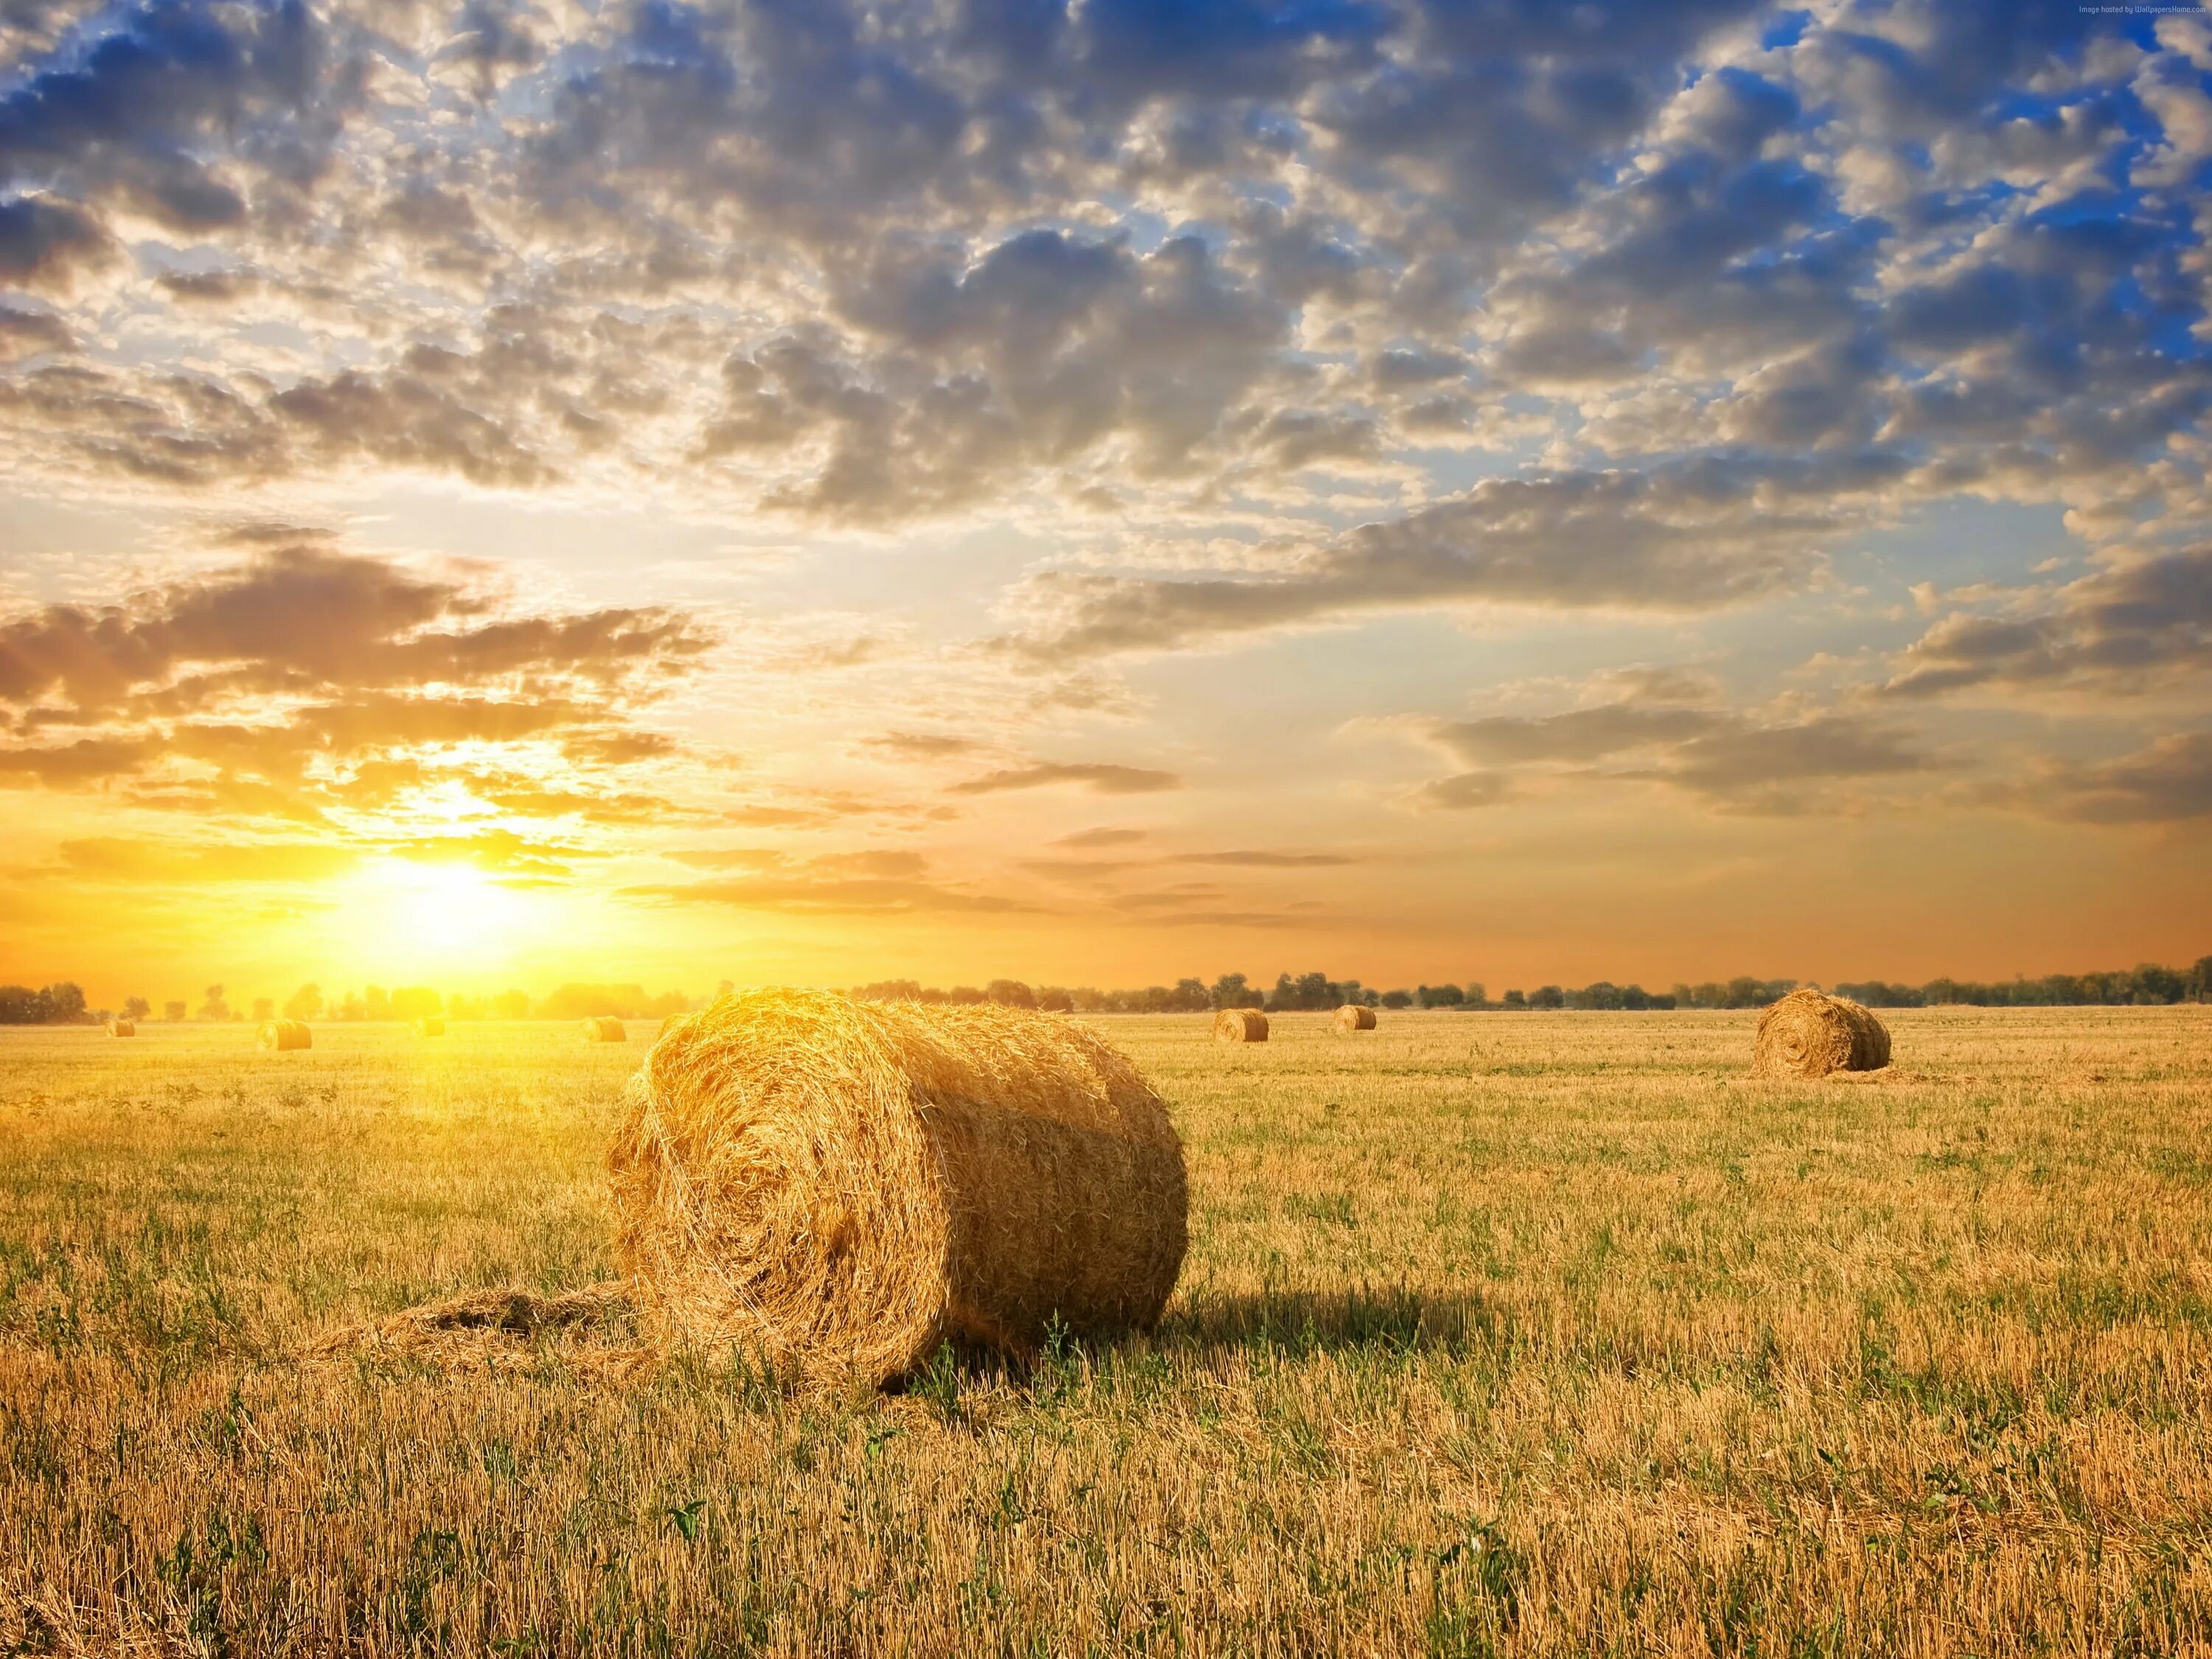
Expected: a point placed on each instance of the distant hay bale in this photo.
(1240, 1025)
(429, 1026)
(601, 1028)
(123, 1028)
(1353, 1018)
(844, 1185)
(282, 1034)
(1809, 1034)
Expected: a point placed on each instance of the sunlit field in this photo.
(1531, 1332)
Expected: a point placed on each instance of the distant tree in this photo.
(264, 1008)
(59, 1004)
(2200, 980)
(511, 1004)
(173, 1013)
(1515, 999)
(1190, 996)
(1233, 991)
(19, 1005)
(461, 1005)
(415, 1002)
(1010, 993)
(217, 1006)
(1397, 998)
(965, 995)
(1476, 996)
(353, 1008)
(137, 1007)
(723, 988)
(306, 1003)
(889, 990)
(1441, 996)
(376, 1003)
(1055, 999)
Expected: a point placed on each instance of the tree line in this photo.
(63, 1003)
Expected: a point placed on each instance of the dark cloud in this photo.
(1098, 778)
(1104, 838)
(44, 243)
(921, 745)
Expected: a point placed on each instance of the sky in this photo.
(1097, 492)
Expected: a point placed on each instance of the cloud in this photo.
(1668, 731)
(2169, 782)
(2129, 628)
(1101, 837)
(116, 858)
(310, 680)
(871, 882)
(1099, 778)
(1688, 538)
(921, 745)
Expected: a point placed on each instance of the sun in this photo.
(431, 916)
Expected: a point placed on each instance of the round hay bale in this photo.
(672, 1023)
(1353, 1018)
(1240, 1025)
(1810, 1034)
(123, 1028)
(602, 1029)
(429, 1026)
(283, 1034)
(844, 1185)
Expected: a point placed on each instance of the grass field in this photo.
(1542, 1333)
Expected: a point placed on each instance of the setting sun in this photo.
(434, 921)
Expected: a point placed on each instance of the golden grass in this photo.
(842, 1187)
(1545, 1333)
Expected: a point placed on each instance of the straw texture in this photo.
(1810, 1034)
(1240, 1025)
(1353, 1018)
(283, 1034)
(843, 1186)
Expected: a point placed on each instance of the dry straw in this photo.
(1353, 1018)
(1240, 1025)
(429, 1026)
(1810, 1034)
(282, 1034)
(601, 1028)
(122, 1028)
(842, 1186)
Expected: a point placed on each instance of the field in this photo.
(1516, 1333)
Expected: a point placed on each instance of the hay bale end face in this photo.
(429, 1026)
(1353, 1018)
(843, 1186)
(1810, 1034)
(1240, 1025)
(600, 1029)
(122, 1028)
(285, 1034)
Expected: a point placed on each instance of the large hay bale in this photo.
(282, 1034)
(672, 1023)
(602, 1029)
(429, 1026)
(1240, 1025)
(844, 1185)
(122, 1028)
(1353, 1018)
(1810, 1034)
